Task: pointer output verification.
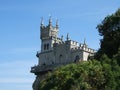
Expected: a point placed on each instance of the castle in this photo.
(56, 52)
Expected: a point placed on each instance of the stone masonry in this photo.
(56, 52)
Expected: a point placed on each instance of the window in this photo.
(47, 46)
(77, 58)
(44, 46)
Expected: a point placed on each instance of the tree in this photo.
(117, 57)
(109, 29)
(90, 75)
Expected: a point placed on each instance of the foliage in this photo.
(109, 29)
(91, 75)
(117, 57)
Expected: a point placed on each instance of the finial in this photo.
(84, 41)
(57, 24)
(50, 20)
(41, 21)
(67, 36)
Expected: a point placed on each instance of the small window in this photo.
(47, 46)
(44, 46)
(77, 58)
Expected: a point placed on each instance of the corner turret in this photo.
(42, 24)
(48, 35)
(50, 22)
(57, 24)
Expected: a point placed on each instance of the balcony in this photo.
(45, 68)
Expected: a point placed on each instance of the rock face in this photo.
(56, 52)
(37, 82)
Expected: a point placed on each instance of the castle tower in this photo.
(56, 52)
(48, 35)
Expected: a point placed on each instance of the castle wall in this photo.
(77, 54)
(60, 53)
(46, 58)
(85, 54)
(47, 41)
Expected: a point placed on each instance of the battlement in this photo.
(84, 48)
(47, 27)
(48, 30)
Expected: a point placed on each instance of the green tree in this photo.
(90, 75)
(109, 29)
(117, 57)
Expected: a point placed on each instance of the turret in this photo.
(67, 36)
(48, 35)
(85, 45)
(42, 25)
(57, 25)
(50, 22)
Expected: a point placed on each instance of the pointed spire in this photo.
(85, 45)
(41, 23)
(57, 24)
(67, 36)
(50, 20)
(84, 41)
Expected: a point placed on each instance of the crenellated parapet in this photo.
(48, 30)
(82, 47)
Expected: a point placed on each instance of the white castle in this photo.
(56, 52)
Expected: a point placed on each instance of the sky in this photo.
(20, 32)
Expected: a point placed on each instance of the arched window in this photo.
(47, 46)
(77, 58)
(44, 46)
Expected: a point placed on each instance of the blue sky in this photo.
(19, 32)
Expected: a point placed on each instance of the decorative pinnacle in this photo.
(84, 41)
(67, 36)
(57, 24)
(50, 20)
(41, 21)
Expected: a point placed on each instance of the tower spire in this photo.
(42, 22)
(57, 24)
(84, 41)
(50, 20)
(85, 45)
(68, 36)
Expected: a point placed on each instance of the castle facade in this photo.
(56, 52)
